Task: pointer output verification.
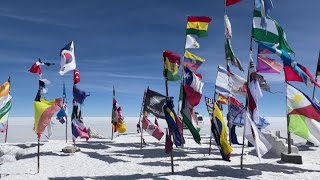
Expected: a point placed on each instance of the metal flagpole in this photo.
(140, 123)
(112, 116)
(171, 152)
(38, 154)
(5, 139)
(247, 102)
(316, 76)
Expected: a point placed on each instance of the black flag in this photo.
(154, 102)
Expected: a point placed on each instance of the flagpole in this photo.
(141, 111)
(64, 101)
(288, 122)
(247, 102)
(5, 139)
(38, 154)
(171, 154)
(181, 86)
(112, 115)
(316, 77)
(211, 118)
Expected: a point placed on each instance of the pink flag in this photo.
(151, 128)
(267, 65)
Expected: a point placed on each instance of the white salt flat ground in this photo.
(122, 158)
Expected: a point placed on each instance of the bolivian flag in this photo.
(198, 25)
(219, 131)
(43, 112)
(171, 65)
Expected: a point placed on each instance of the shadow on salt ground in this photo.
(150, 153)
(25, 146)
(93, 145)
(105, 158)
(159, 163)
(214, 171)
(277, 168)
(32, 155)
(306, 148)
(253, 152)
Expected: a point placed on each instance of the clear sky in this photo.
(121, 42)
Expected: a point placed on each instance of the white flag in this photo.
(227, 25)
(255, 137)
(191, 42)
(68, 60)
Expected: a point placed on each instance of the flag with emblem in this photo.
(198, 25)
(192, 61)
(192, 86)
(76, 76)
(152, 129)
(68, 60)
(5, 105)
(154, 102)
(171, 65)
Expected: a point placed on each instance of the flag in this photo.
(42, 88)
(271, 33)
(267, 65)
(156, 121)
(263, 50)
(36, 67)
(209, 104)
(218, 128)
(299, 103)
(267, 5)
(78, 128)
(230, 56)
(43, 112)
(171, 65)
(5, 105)
(222, 81)
(238, 85)
(292, 69)
(154, 102)
(299, 73)
(168, 143)
(174, 122)
(192, 86)
(318, 66)
(198, 25)
(236, 112)
(192, 61)
(62, 114)
(117, 119)
(79, 95)
(304, 127)
(68, 60)
(231, 2)
(76, 76)
(253, 93)
(191, 42)
(189, 118)
(222, 99)
(151, 128)
(255, 137)
(227, 27)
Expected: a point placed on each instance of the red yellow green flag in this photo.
(171, 65)
(198, 25)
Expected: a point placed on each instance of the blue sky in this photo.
(121, 42)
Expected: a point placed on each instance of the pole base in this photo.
(291, 158)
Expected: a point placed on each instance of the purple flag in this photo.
(79, 95)
(267, 65)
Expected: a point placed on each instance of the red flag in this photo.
(76, 76)
(168, 144)
(304, 75)
(231, 2)
(35, 68)
(151, 128)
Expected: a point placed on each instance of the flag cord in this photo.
(247, 102)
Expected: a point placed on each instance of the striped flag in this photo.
(171, 65)
(152, 129)
(43, 112)
(78, 127)
(192, 86)
(174, 122)
(267, 65)
(5, 105)
(192, 61)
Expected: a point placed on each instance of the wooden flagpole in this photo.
(112, 116)
(247, 102)
(5, 139)
(140, 122)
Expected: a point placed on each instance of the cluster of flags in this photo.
(117, 119)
